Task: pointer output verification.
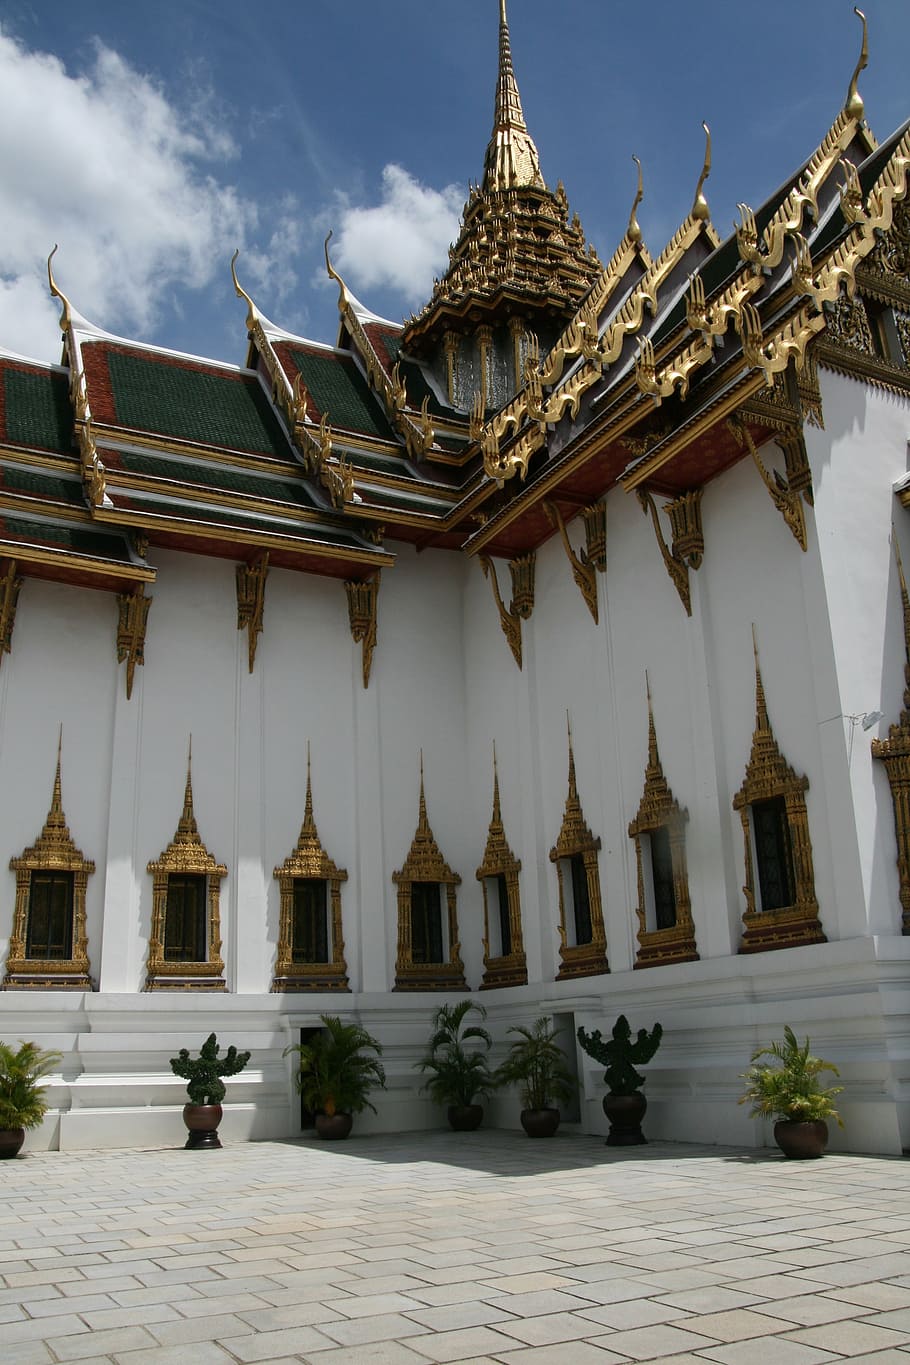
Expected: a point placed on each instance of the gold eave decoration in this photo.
(310, 860)
(10, 584)
(425, 863)
(53, 851)
(584, 565)
(786, 499)
(659, 809)
(688, 538)
(522, 603)
(894, 752)
(132, 618)
(251, 579)
(363, 610)
(575, 838)
(768, 775)
(186, 854)
(510, 969)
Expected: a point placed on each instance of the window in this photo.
(781, 909)
(185, 939)
(583, 940)
(662, 878)
(184, 925)
(48, 946)
(429, 954)
(504, 960)
(310, 941)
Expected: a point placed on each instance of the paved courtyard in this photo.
(436, 1247)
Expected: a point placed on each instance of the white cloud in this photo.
(103, 163)
(402, 241)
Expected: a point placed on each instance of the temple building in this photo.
(553, 645)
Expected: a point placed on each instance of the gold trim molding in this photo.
(509, 969)
(186, 854)
(657, 810)
(894, 752)
(309, 860)
(768, 775)
(575, 838)
(425, 863)
(132, 618)
(363, 608)
(53, 851)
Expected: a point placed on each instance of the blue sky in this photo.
(150, 139)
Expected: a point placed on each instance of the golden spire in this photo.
(761, 706)
(573, 785)
(56, 820)
(511, 160)
(187, 830)
(423, 824)
(653, 756)
(309, 824)
(496, 822)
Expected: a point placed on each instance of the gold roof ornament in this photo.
(512, 159)
(854, 106)
(700, 210)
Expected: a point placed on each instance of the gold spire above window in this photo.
(511, 160)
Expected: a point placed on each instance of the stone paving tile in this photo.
(784, 1353)
(580, 1353)
(811, 1310)
(454, 1315)
(709, 1299)
(738, 1325)
(197, 1353)
(880, 1296)
(633, 1313)
(548, 1328)
(374, 1353)
(463, 1345)
(851, 1338)
(382, 1327)
(99, 1343)
(646, 1343)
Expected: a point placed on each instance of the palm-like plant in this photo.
(537, 1065)
(22, 1102)
(458, 1074)
(335, 1073)
(790, 1090)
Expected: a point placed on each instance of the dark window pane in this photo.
(426, 922)
(49, 936)
(185, 919)
(662, 878)
(505, 926)
(310, 930)
(581, 899)
(773, 853)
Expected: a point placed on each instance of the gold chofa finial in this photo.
(700, 210)
(633, 231)
(66, 316)
(855, 107)
(241, 292)
(333, 275)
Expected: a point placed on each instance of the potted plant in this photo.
(22, 1102)
(789, 1090)
(535, 1062)
(335, 1075)
(456, 1059)
(205, 1088)
(624, 1104)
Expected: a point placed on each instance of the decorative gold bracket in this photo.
(785, 497)
(676, 566)
(10, 584)
(363, 605)
(251, 599)
(522, 603)
(133, 610)
(583, 570)
(93, 473)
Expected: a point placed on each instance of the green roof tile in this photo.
(38, 410)
(312, 532)
(82, 542)
(338, 388)
(209, 476)
(194, 405)
(40, 485)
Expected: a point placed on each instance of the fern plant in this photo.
(336, 1074)
(22, 1102)
(788, 1087)
(456, 1057)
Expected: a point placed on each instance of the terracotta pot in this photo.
(625, 1113)
(540, 1123)
(11, 1140)
(801, 1140)
(333, 1127)
(464, 1118)
(202, 1122)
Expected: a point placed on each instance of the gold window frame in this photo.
(309, 860)
(659, 809)
(894, 753)
(769, 776)
(425, 863)
(186, 854)
(509, 969)
(583, 959)
(53, 851)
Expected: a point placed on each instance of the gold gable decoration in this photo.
(186, 854)
(507, 969)
(425, 864)
(576, 839)
(53, 851)
(309, 860)
(658, 810)
(894, 752)
(768, 775)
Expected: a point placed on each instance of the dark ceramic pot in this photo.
(11, 1140)
(464, 1118)
(801, 1140)
(625, 1113)
(333, 1127)
(202, 1122)
(540, 1123)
